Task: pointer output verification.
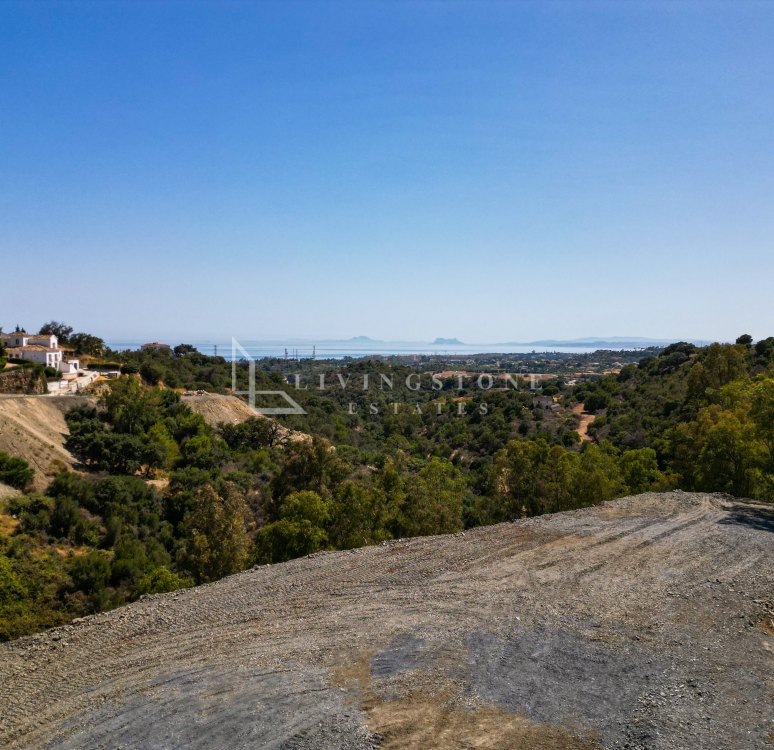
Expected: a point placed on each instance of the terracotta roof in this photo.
(156, 343)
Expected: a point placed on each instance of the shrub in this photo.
(15, 471)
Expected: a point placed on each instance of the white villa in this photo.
(43, 349)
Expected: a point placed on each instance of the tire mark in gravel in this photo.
(695, 518)
(599, 543)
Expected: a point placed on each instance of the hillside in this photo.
(33, 428)
(217, 409)
(641, 623)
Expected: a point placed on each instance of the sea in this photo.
(352, 349)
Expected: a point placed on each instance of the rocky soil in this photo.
(645, 622)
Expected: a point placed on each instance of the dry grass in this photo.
(417, 724)
(8, 524)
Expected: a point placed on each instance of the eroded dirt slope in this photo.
(33, 428)
(642, 623)
(217, 409)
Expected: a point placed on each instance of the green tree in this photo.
(181, 350)
(309, 465)
(253, 433)
(159, 581)
(201, 451)
(765, 348)
(596, 401)
(434, 499)
(85, 343)
(215, 532)
(151, 373)
(516, 487)
(14, 471)
(11, 587)
(299, 530)
(762, 403)
(167, 450)
(598, 477)
(557, 476)
(91, 572)
(639, 469)
(360, 515)
(130, 407)
(65, 518)
(720, 365)
(720, 451)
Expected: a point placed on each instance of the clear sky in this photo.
(490, 171)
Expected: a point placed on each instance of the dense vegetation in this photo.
(168, 501)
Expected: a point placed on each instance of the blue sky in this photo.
(486, 170)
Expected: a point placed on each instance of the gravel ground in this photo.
(645, 622)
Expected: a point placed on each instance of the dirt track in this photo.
(585, 420)
(638, 624)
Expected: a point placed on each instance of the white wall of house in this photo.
(50, 342)
(47, 357)
(15, 339)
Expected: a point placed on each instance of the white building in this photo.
(43, 349)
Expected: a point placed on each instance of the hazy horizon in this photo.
(163, 335)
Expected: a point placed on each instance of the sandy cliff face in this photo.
(34, 428)
(217, 409)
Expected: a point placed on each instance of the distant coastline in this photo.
(363, 346)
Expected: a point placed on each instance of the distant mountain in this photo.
(448, 342)
(365, 340)
(610, 342)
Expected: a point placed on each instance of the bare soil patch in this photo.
(34, 428)
(585, 421)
